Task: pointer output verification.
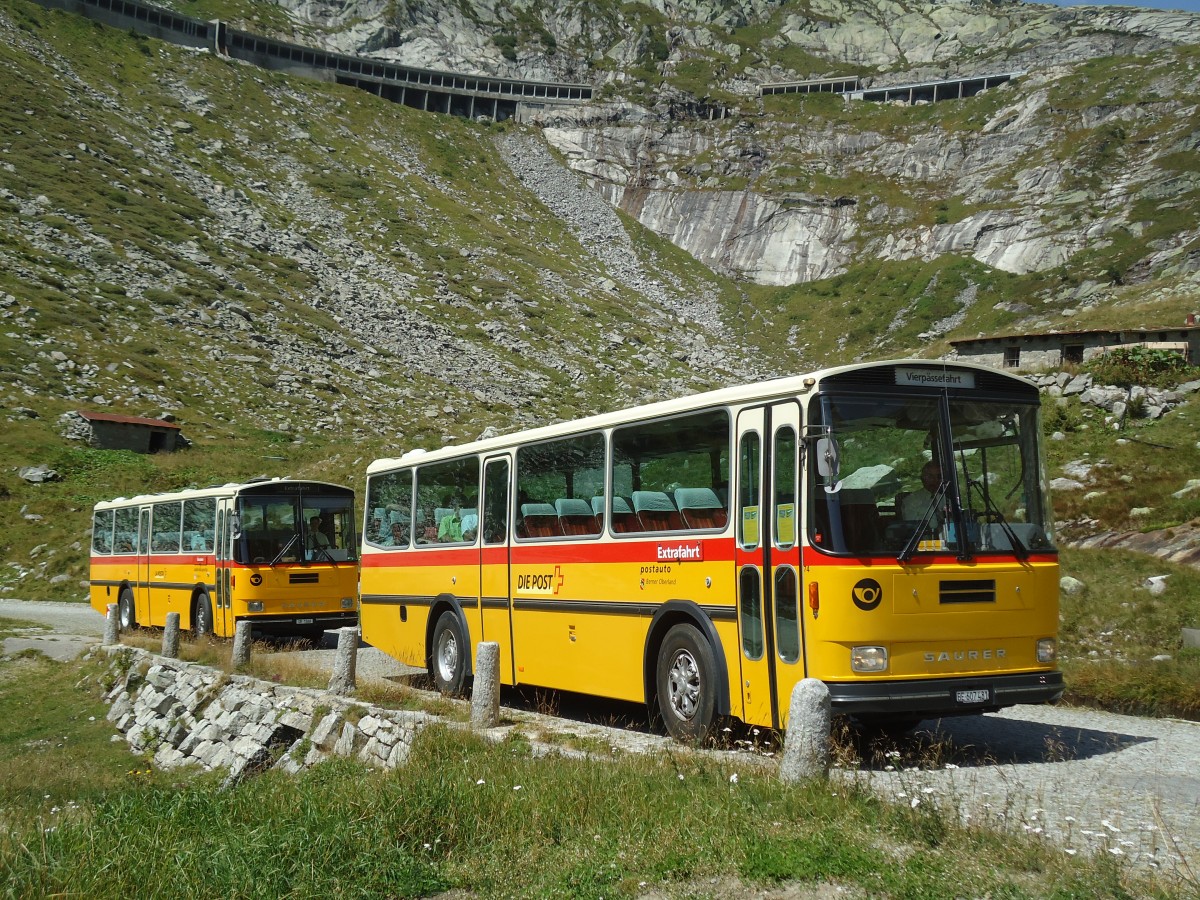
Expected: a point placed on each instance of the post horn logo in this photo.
(867, 594)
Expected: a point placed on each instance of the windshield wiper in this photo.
(991, 509)
(915, 538)
(322, 549)
(284, 549)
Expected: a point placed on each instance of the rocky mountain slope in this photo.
(1081, 169)
(306, 276)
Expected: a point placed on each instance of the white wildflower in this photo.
(1110, 826)
(481, 781)
(516, 787)
(733, 779)
(1116, 851)
(1070, 851)
(915, 802)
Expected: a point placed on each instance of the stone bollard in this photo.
(241, 645)
(806, 747)
(112, 625)
(485, 694)
(342, 680)
(170, 647)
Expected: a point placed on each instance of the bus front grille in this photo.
(304, 578)
(970, 591)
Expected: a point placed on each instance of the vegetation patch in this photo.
(1145, 366)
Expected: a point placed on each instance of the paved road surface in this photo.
(72, 627)
(1090, 781)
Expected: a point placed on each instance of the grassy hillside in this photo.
(305, 276)
(308, 277)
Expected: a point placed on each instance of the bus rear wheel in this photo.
(686, 670)
(126, 613)
(448, 661)
(202, 616)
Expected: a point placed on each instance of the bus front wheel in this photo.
(448, 661)
(202, 616)
(126, 614)
(686, 671)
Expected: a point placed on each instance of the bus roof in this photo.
(762, 390)
(231, 489)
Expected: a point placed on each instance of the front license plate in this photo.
(973, 696)
(310, 621)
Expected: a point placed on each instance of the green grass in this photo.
(84, 817)
(1112, 632)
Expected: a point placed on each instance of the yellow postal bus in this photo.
(882, 527)
(281, 553)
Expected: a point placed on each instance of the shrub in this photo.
(1127, 366)
(1062, 417)
(508, 46)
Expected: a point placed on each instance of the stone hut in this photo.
(1053, 349)
(108, 431)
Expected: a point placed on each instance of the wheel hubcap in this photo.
(683, 680)
(447, 656)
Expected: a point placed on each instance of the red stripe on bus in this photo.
(640, 551)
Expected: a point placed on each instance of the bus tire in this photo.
(447, 659)
(126, 611)
(202, 616)
(685, 681)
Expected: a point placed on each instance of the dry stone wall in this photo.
(186, 714)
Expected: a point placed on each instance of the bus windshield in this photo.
(911, 474)
(295, 528)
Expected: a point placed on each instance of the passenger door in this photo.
(222, 601)
(495, 599)
(142, 592)
(785, 562)
(751, 559)
(768, 560)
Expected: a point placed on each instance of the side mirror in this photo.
(828, 461)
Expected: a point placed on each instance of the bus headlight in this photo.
(255, 606)
(869, 659)
(1047, 650)
(347, 603)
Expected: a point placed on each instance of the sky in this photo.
(1186, 5)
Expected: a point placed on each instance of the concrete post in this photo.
(806, 746)
(342, 680)
(241, 645)
(485, 694)
(112, 625)
(170, 645)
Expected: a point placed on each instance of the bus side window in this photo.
(495, 502)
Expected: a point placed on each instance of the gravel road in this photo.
(1091, 782)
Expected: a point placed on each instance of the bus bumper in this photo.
(294, 624)
(938, 697)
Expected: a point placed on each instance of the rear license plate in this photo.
(310, 621)
(982, 696)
